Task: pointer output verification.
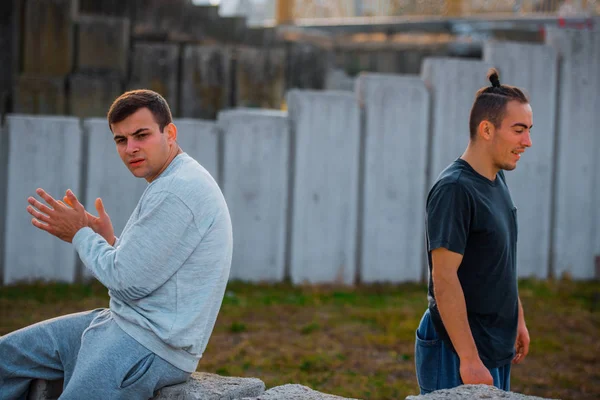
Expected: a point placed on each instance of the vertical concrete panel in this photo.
(35, 94)
(533, 68)
(103, 44)
(577, 195)
(108, 177)
(48, 40)
(396, 126)
(3, 193)
(260, 77)
(92, 94)
(43, 152)
(453, 83)
(206, 77)
(327, 137)
(155, 67)
(255, 185)
(199, 140)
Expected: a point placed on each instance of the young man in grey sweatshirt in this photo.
(166, 274)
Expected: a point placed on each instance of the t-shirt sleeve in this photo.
(448, 218)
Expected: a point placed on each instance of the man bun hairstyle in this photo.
(490, 102)
(129, 102)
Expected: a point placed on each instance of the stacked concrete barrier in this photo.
(255, 184)
(326, 127)
(531, 182)
(452, 83)
(395, 128)
(108, 177)
(576, 237)
(43, 152)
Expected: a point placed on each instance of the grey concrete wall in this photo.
(155, 66)
(199, 139)
(108, 177)
(48, 39)
(396, 123)
(255, 185)
(452, 83)
(206, 74)
(43, 152)
(3, 192)
(326, 127)
(92, 94)
(577, 195)
(103, 44)
(533, 68)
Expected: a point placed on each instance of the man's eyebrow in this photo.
(524, 126)
(133, 134)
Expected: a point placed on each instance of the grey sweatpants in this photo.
(96, 359)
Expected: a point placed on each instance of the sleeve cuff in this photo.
(81, 236)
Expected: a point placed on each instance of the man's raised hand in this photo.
(55, 217)
(100, 224)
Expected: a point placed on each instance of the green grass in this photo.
(355, 342)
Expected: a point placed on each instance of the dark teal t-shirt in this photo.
(474, 216)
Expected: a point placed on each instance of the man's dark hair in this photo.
(490, 102)
(129, 102)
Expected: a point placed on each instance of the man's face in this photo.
(513, 136)
(141, 145)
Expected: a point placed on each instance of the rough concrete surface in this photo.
(473, 392)
(205, 386)
(294, 392)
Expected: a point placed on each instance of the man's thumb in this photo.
(100, 207)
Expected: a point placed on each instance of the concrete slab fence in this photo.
(333, 189)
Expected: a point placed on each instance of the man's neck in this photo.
(480, 161)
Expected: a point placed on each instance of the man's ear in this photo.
(485, 130)
(171, 132)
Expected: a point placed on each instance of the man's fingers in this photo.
(38, 215)
(68, 201)
(42, 207)
(100, 207)
(49, 199)
(73, 201)
(40, 225)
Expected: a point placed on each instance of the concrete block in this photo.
(102, 44)
(3, 192)
(452, 83)
(155, 67)
(326, 126)
(531, 182)
(40, 389)
(199, 139)
(36, 94)
(295, 392)
(473, 392)
(207, 77)
(43, 152)
(260, 77)
(337, 79)
(255, 185)
(205, 386)
(48, 42)
(396, 122)
(576, 237)
(92, 94)
(108, 177)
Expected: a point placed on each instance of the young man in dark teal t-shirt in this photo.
(474, 327)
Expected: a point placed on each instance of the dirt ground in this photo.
(355, 342)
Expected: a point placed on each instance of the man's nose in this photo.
(132, 146)
(527, 140)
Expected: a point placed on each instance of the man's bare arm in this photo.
(450, 300)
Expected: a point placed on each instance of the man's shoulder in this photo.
(453, 177)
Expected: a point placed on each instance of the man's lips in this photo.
(136, 161)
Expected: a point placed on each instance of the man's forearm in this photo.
(521, 313)
(450, 300)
